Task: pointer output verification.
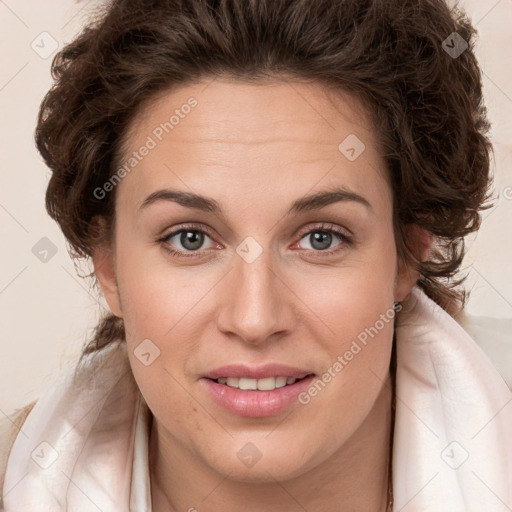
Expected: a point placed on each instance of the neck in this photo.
(357, 476)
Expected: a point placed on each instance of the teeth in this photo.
(267, 384)
(233, 382)
(246, 384)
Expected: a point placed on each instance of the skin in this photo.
(256, 148)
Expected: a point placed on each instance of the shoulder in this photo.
(494, 336)
(9, 429)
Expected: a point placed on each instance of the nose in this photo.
(257, 304)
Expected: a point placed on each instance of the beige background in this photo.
(47, 312)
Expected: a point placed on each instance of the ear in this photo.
(103, 259)
(419, 242)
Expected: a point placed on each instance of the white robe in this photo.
(84, 446)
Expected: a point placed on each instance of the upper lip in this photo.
(257, 372)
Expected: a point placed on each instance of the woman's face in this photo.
(257, 277)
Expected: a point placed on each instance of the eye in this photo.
(321, 237)
(187, 239)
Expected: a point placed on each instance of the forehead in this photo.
(253, 137)
(221, 107)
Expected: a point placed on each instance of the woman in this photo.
(324, 161)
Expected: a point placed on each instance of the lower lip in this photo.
(254, 403)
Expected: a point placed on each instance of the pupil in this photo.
(324, 239)
(191, 240)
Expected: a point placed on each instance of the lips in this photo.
(256, 391)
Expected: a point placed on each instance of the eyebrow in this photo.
(311, 202)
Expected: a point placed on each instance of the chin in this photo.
(261, 461)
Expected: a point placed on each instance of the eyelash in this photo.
(322, 228)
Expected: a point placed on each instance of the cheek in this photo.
(359, 346)
(162, 316)
(171, 307)
(155, 295)
(354, 304)
(351, 296)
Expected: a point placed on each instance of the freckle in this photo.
(194, 409)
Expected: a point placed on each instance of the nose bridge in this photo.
(255, 307)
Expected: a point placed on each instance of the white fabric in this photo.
(451, 404)
(453, 430)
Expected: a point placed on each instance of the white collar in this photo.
(85, 442)
(451, 404)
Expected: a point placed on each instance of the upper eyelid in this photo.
(324, 226)
(186, 227)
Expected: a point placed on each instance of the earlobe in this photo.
(104, 269)
(419, 242)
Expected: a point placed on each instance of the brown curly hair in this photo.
(426, 104)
